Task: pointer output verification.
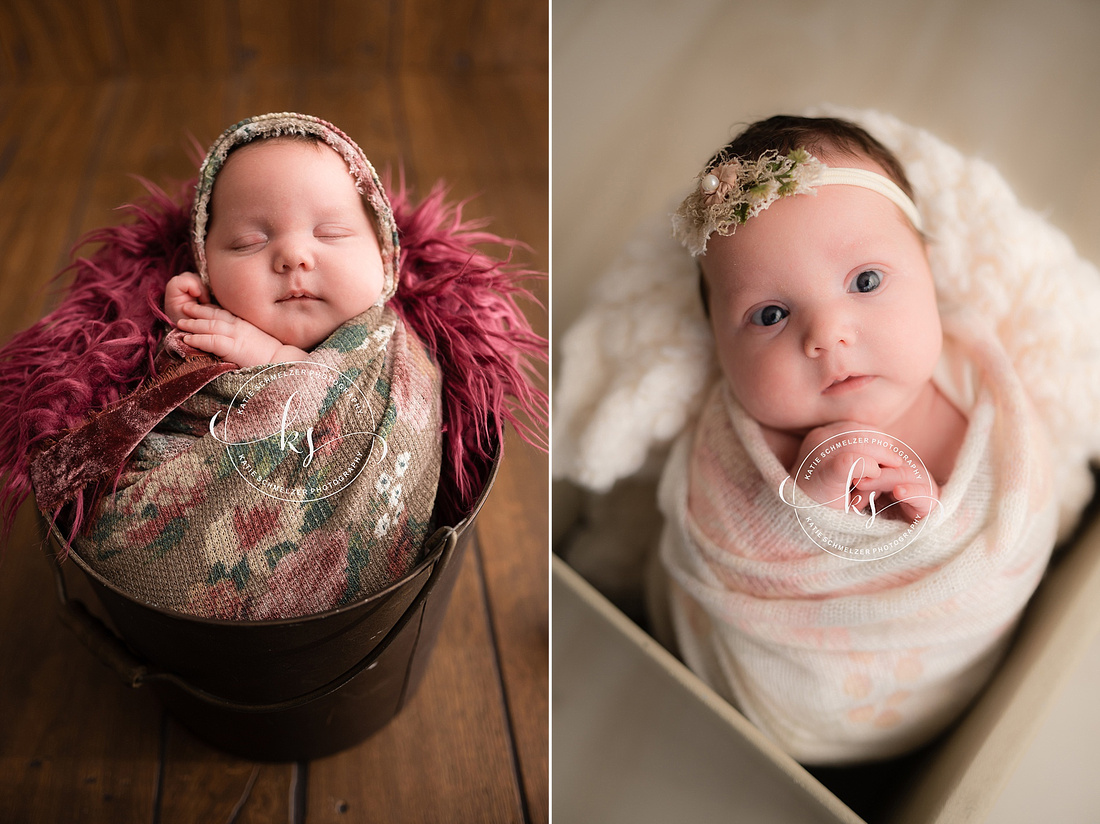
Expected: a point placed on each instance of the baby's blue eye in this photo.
(768, 315)
(867, 281)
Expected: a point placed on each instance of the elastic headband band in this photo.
(729, 193)
(846, 176)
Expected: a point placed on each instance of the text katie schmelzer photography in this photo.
(859, 473)
(290, 453)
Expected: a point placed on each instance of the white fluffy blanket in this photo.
(835, 658)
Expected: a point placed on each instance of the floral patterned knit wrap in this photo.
(282, 490)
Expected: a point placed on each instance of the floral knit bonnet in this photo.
(278, 124)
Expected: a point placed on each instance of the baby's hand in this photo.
(185, 289)
(843, 471)
(220, 332)
(914, 491)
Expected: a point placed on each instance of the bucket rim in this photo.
(465, 523)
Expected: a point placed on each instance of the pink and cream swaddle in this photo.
(841, 659)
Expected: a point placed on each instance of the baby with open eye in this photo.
(863, 508)
(825, 319)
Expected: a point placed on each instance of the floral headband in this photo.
(732, 191)
(278, 124)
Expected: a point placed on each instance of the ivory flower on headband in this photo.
(732, 191)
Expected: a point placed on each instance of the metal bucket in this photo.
(282, 690)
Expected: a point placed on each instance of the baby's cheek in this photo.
(768, 388)
(923, 343)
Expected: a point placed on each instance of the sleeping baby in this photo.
(303, 476)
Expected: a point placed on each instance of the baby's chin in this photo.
(304, 337)
(878, 406)
(865, 416)
(308, 336)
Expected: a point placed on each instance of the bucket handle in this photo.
(111, 650)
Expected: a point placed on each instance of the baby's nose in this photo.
(293, 254)
(826, 331)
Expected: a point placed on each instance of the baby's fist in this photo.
(184, 290)
(837, 464)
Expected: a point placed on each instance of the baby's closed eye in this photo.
(248, 243)
(330, 231)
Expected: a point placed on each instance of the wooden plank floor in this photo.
(76, 745)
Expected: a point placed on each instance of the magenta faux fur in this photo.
(462, 304)
(98, 345)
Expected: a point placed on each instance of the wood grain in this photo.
(202, 784)
(93, 40)
(46, 152)
(511, 531)
(75, 743)
(54, 39)
(447, 756)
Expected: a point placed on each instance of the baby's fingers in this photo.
(189, 283)
(863, 470)
(207, 343)
(881, 454)
(218, 345)
(207, 311)
(193, 324)
(197, 289)
(221, 326)
(890, 476)
(210, 336)
(915, 499)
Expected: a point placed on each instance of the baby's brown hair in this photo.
(819, 136)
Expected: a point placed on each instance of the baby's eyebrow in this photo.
(746, 287)
(738, 302)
